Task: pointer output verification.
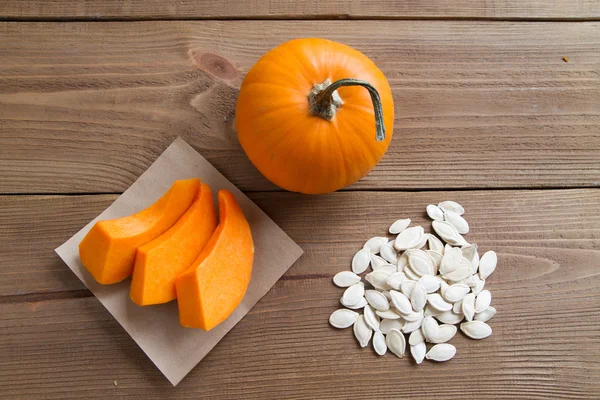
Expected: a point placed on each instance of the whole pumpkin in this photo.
(314, 115)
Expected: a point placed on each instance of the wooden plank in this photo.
(303, 9)
(533, 231)
(87, 107)
(545, 345)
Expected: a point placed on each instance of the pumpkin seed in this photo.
(343, 318)
(461, 272)
(378, 279)
(422, 243)
(374, 244)
(441, 352)
(377, 262)
(476, 329)
(487, 264)
(388, 253)
(407, 287)
(470, 253)
(411, 274)
(418, 297)
(436, 258)
(457, 307)
(413, 316)
(361, 261)
(448, 233)
(362, 332)
(435, 244)
(401, 302)
(389, 314)
(379, 343)
(345, 279)
(377, 300)
(449, 317)
(416, 337)
(479, 284)
(483, 301)
(456, 292)
(399, 226)
(418, 352)
(409, 237)
(450, 260)
(387, 325)
(395, 342)
(444, 333)
(361, 304)
(436, 301)
(468, 306)
(485, 315)
(451, 206)
(353, 294)
(430, 283)
(371, 319)
(421, 263)
(411, 326)
(459, 223)
(434, 212)
(395, 280)
(429, 328)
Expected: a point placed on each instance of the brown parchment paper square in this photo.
(173, 349)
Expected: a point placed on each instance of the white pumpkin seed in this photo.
(444, 333)
(361, 261)
(431, 312)
(389, 268)
(401, 303)
(429, 328)
(450, 260)
(422, 243)
(468, 306)
(377, 262)
(411, 326)
(456, 292)
(399, 226)
(479, 284)
(378, 279)
(436, 258)
(353, 294)
(434, 212)
(476, 329)
(396, 343)
(418, 352)
(487, 264)
(470, 253)
(436, 301)
(457, 307)
(483, 301)
(409, 238)
(413, 316)
(387, 325)
(377, 300)
(343, 318)
(389, 314)
(461, 272)
(388, 253)
(430, 283)
(362, 332)
(411, 274)
(371, 319)
(459, 223)
(421, 263)
(407, 287)
(449, 317)
(451, 206)
(395, 280)
(441, 352)
(374, 244)
(485, 315)
(418, 297)
(379, 343)
(448, 233)
(402, 262)
(361, 304)
(435, 244)
(345, 279)
(416, 337)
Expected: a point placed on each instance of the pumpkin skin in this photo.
(292, 147)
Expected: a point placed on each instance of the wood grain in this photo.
(303, 9)
(478, 104)
(546, 340)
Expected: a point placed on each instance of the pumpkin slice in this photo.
(159, 262)
(209, 291)
(108, 250)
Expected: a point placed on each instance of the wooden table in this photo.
(488, 113)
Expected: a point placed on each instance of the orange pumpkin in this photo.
(314, 115)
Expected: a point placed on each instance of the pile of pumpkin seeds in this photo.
(418, 292)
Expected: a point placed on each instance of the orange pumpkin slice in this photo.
(160, 261)
(211, 289)
(108, 250)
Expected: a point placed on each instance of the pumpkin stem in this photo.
(324, 101)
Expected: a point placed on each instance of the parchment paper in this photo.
(173, 349)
